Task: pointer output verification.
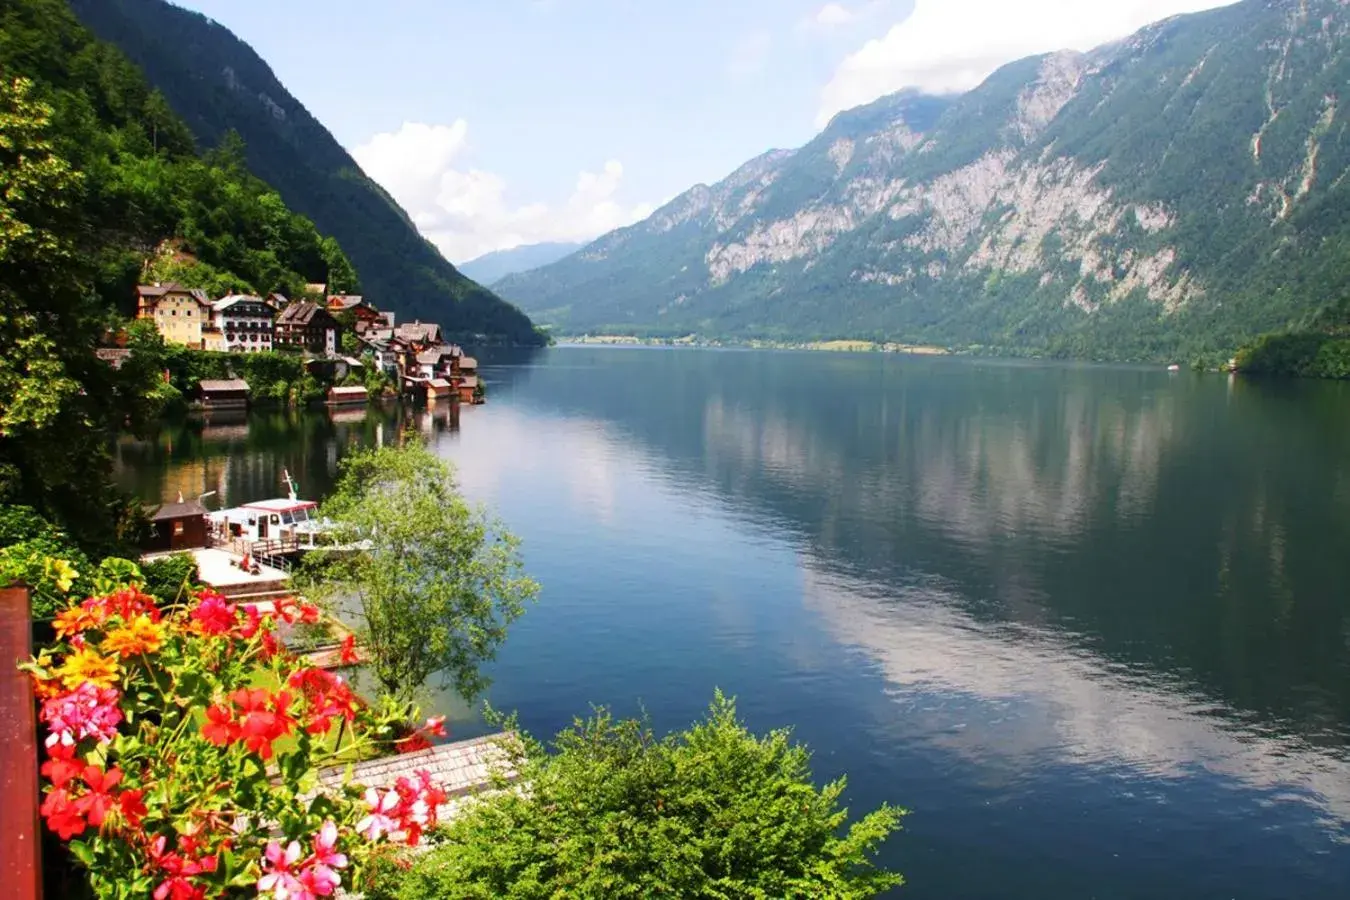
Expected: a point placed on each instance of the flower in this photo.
(262, 718)
(73, 621)
(62, 766)
(138, 636)
(435, 726)
(95, 804)
(132, 806)
(86, 665)
(181, 870)
(348, 655)
(220, 727)
(327, 697)
(380, 821)
(279, 871)
(213, 615)
(62, 815)
(86, 712)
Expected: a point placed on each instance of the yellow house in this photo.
(179, 313)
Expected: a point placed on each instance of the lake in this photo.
(1090, 625)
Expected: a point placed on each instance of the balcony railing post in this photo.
(20, 838)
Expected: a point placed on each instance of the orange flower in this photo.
(75, 620)
(88, 666)
(138, 636)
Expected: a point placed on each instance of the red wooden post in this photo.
(20, 838)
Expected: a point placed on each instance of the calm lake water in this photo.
(1090, 625)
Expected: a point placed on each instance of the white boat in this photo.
(284, 524)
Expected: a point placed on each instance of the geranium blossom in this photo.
(213, 615)
(86, 712)
(279, 871)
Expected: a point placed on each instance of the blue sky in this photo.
(501, 122)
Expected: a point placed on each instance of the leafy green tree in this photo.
(614, 812)
(439, 583)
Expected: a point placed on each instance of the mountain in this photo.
(1174, 193)
(217, 83)
(492, 267)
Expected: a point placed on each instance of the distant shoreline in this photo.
(841, 346)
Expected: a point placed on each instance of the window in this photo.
(178, 529)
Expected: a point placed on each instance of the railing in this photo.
(20, 838)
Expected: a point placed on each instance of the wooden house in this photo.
(177, 526)
(308, 326)
(439, 389)
(224, 393)
(363, 312)
(468, 389)
(347, 396)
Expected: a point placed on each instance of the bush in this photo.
(711, 812)
(170, 579)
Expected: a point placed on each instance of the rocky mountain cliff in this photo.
(1173, 193)
(216, 83)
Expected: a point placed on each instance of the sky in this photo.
(498, 123)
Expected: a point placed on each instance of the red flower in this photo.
(253, 621)
(62, 815)
(348, 655)
(327, 697)
(132, 806)
(219, 727)
(213, 615)
(63, 765)
(95, 804)
(262, 718)
(178, 886)
(270, 645)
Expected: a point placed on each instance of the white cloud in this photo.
(952, 45)
(465, 210)
(750, 55)
(832, 15)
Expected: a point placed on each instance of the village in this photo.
(338, 335)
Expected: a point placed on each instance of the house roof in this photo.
(421, 332)
(225, 303)
(113, 356)
(178, 511)
(468, 362)
(470, 381)
(156, 292)
(348, 391)
(301, 313)
(439, 383)
(230, 384)
(346, 301)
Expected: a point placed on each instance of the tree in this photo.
(438, 583)
(614, 812)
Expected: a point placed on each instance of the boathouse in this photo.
(468, 389)
(229, 393)
(177, 526)
(346, 396)
(439, 389)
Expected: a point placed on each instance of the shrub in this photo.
(711, 812)
(171, 579)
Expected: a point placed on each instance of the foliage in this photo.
(35, 552)
(171, 579)
(438, 583)
(183, 54)
(614, 812)
(183, 746)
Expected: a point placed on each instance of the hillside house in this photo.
(246, 323)
(355, 304)
(177, 526)
(420, 335)
(310, 327)
(180, 314)
(467, 386)
(441, 361)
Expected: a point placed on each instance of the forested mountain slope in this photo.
(217, 83)
(1171, 194)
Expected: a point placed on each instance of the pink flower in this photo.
(279, 872)
(86, 712)
(319, 877)
(380, 821)
(435, 726)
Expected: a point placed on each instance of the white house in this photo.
(246, 323)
